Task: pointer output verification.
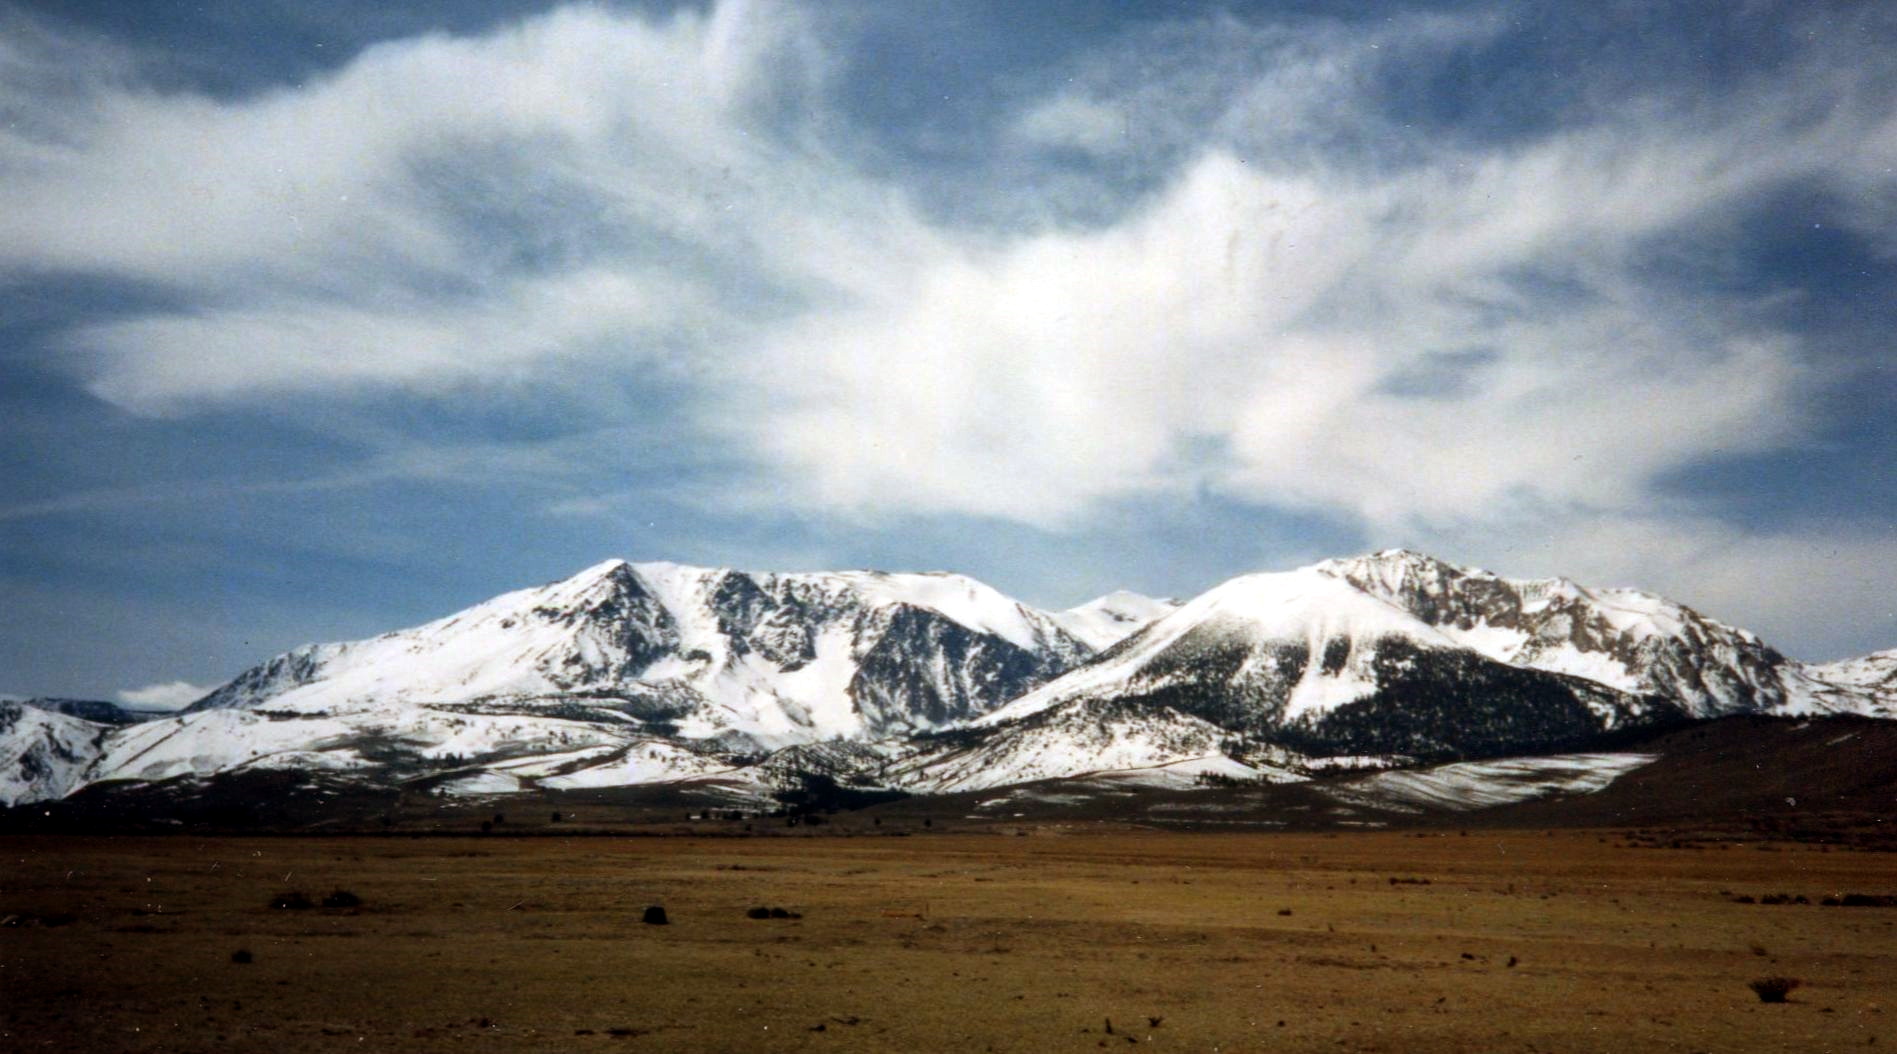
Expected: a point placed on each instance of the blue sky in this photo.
(320, 320)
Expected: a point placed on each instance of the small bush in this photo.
(342, 898)
(242, 956)
(758, 913)
(1774, 989)
(291, 902)
(655, 916)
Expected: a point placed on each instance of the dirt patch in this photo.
(1513, 940)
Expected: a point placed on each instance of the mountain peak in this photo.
(1385, 562)
(642, 672)
(611, 570)
(1104, 621)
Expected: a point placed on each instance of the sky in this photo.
(318, 321)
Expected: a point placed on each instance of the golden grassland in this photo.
(1489, 941)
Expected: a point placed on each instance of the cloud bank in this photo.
(1240, 271)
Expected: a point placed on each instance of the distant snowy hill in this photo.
(1108, 620)
(744, 683)
(1876, 673)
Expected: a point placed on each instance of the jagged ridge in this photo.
(639, 673)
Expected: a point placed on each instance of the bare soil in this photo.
(1376, 941)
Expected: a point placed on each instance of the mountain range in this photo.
(735, 685)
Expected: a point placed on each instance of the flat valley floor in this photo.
(1064, 939)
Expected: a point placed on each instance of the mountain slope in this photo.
(1622, 638)
(745, 683)
(1105, 621)
(1876, 672)
(766, 660)
(1085, 736)
(1310, 660)
(44, 754)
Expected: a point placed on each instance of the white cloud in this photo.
(1251, 325)
(1076, 123)
(1266, 317)
(1309, 305)
(321, 345)
(446, 208)
(170, 695)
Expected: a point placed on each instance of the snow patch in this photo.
(1467, 785)
(481, 783)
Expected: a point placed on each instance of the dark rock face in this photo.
(632, 616)
(1429, 702)
(1435, 705)
(926, 669)
(739, 605)
(916, 668)
(1228, 680)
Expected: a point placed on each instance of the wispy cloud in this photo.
(1282, 293)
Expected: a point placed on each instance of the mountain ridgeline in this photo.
(736, 683)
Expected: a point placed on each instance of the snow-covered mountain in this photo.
(1874, 673)
(1105, 621)
(95, 710)
(1627, 640)
(1397, 653)
(757, 660)
(44, 754)
(622, 674)
(744, 683)
(1086, 736)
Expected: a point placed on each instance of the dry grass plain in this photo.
(963, 942)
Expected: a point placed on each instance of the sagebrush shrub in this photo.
(1774, 989)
